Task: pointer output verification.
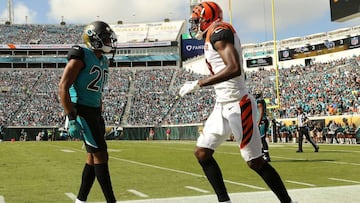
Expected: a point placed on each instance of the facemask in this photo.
(106, 49)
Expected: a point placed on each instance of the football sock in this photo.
(87, 180)
(273, 180)
(213, 173)
(264, 144)
(103, 177)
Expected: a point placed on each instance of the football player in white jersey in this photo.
(235, 109)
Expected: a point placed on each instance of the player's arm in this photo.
(71, 71)
(223, 42)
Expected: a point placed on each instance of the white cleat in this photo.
(79, 201)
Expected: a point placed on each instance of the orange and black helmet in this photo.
(203, 15)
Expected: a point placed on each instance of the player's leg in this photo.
(250, 146)
(87, 179)
(211, 137)
(271, 178)
(265, 147)
(308, 137)
(96, 145)
(213, 172)
(102, 174)
(300, 140)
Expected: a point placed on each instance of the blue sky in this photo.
(251, 18)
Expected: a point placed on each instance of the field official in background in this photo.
(303, 129)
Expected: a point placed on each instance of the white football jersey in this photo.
(233, 89)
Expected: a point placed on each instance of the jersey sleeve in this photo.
(222, 34)
(76, 52)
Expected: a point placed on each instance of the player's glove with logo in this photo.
(189, 86)
(75, 128)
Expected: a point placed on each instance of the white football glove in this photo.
(189, 86)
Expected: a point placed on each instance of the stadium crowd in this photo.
(40, 34)
(29, 98)
(148, 96)
(321, 89)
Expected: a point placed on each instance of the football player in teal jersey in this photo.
(80, 89)
(263, 124)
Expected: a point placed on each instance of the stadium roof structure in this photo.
(316, 35)
(338, 31)
(137, 58)
(148, 32)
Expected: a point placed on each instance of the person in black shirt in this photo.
(303, 128)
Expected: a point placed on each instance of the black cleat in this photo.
(317, 149)
(299, 151)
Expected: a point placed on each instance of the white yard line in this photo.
(184, 172)
(344, 163)
(71, 195)
(300, 183)
(137, 193)
(67, 150)
(197, 189)
(2, 199)
(245, 185)
(330, 162)
(344, 180)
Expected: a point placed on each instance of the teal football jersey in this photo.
(262, 101)
(89, 85)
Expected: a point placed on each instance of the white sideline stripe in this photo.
(338, 194)
(2, 199)
(344, 180)
(197, 189)
(300, 183)
(137, 193)
(71, 195)
(184, 172)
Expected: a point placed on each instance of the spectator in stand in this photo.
(168, 133)
(151, 134)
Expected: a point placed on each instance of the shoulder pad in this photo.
(222, 34)
(76, 52)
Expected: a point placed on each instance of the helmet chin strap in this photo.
(106, 48)
(200, 34)
(112, 60)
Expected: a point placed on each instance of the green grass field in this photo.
(34, 172)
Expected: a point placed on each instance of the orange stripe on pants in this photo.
(247, 120)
